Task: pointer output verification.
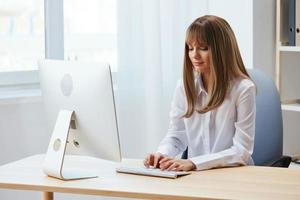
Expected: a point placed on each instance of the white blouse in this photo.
(219, 138)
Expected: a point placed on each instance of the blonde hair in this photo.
(225, 61)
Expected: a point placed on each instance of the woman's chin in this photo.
(201, 69)
(198, 69)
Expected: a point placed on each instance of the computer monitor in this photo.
(80, 111)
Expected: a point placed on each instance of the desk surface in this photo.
(228, 183)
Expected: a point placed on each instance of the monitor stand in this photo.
(54, 160)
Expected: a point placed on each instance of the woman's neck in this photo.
(205, 80)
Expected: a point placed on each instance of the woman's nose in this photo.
(195, 54)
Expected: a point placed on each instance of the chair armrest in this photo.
(284, 161)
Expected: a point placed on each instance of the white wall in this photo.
(264, 29)
(22, 124)
(23, 133)
(22, 127)
(239, 15)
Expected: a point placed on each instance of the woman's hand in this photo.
(152, 160)
(176, 164)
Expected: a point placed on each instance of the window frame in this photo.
(54, 48)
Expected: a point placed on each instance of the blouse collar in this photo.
(199, 84)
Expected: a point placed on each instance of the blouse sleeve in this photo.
(243, 141)
(175, 140)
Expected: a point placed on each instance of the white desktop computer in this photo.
(80, 111)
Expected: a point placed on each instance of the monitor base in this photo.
(54, 160)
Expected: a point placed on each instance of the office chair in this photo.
(268, 124)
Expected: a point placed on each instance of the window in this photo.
(21, 34)
(90, 31)
(89, 34)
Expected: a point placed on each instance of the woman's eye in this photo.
(204, 48)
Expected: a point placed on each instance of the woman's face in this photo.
(199, 56)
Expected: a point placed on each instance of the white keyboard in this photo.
(151, 172)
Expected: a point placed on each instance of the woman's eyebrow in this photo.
(197, 44)
(203, 44)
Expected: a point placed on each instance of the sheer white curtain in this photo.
(151, 37)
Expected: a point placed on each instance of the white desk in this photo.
(227, 183)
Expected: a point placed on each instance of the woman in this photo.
(213, 110)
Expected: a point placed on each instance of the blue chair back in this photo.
(268, 129)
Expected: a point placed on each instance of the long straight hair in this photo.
(226, 62)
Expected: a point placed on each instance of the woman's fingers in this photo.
(157, 157)
(164, 160)
(153, 160)
(148, 160)
(166, 164)
(176, 165)
(180, 168)
(173, 166)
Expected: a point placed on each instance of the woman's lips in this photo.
(198, 63)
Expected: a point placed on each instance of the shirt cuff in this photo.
(208, 161)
